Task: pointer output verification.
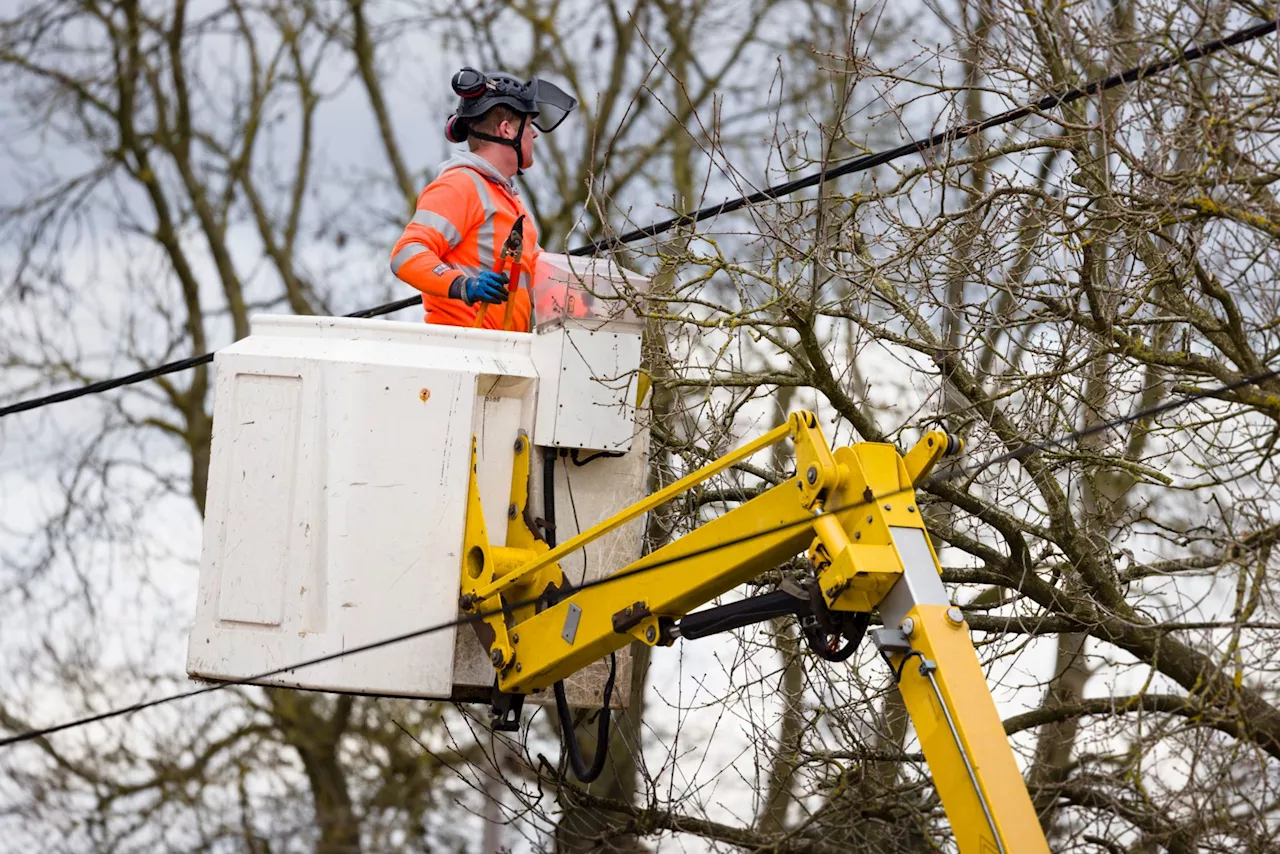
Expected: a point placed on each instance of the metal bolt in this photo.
(515, 639)
(857, 535)
(812, 475)
(424, 394)
(888, 507)
(628, 611)
(870, 519)
(496, 657)
(519, 444)
(511, 510)
(911, 508)
(955, 615)
(908, 626)
(651, 634)
(519, 667)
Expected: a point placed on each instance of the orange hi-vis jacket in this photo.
(462, 220)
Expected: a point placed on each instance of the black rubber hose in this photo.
(549, 496)
(735, 615)
(854, 632)
(580, 769)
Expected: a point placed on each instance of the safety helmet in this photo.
(543, 103)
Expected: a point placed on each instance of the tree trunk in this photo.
(303, 725)
(777, 799)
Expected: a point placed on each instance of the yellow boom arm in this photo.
(854, 511)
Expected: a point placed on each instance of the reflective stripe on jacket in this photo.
(462, 219)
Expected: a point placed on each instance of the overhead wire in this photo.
(1146, 412)
(772, 193)
(951, 135)
(161, 370)
(643, 567)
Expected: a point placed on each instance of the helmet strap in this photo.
(514, 143)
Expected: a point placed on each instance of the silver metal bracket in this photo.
(891, 641)
(571, 618)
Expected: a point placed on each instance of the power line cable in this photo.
(417, 633)
(1148, 412)
(954, 474)
(773, 193)
(919, 146)
(170, 368)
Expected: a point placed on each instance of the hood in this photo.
(474, 161)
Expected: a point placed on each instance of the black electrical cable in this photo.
(577, 461)
(467, 620)
(170, 368)
(869, 161)
(773, 193)
(1168, 406)
(902, 665)
(107, 385)
(623, 574)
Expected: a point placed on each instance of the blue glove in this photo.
(486, 286)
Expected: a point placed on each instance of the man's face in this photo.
(510, 129)
(526, 141)
(526, 144)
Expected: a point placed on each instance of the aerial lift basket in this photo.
(338, 481)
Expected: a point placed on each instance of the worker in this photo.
(451, 248)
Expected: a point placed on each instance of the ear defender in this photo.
(455, 130)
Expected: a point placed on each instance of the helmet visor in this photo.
(553, 104)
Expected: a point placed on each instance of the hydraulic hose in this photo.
(853, 632)
(549, 496)
(821, 632)
(580, 769)
(736, 615)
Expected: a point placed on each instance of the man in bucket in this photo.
(450, 249)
